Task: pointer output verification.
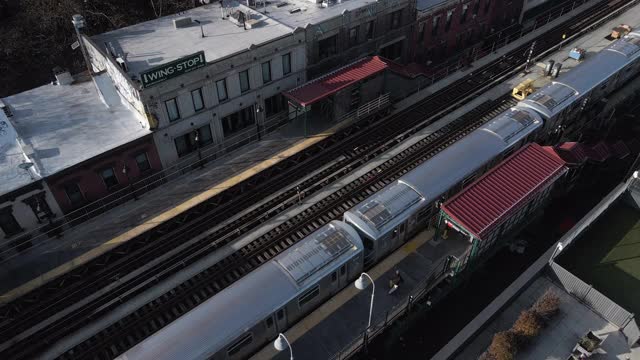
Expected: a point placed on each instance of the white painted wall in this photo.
(214, 111)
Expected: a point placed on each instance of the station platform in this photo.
(342, 319)
(88, 240)
(333, 325)
(55, 256)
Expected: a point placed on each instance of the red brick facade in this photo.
(452, 26)
(87, 175)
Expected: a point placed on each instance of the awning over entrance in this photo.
(329, 84)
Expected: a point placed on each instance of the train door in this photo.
(281, 320)
(343, 276)
(402, 232)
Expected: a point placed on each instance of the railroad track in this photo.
(369, 146)
(135, 327)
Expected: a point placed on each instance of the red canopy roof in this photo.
(329, 84)
(484, 204)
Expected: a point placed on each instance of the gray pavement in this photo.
(557, 340)
(48, 254)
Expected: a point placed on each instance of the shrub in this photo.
(486, 356)
(547, 305)
(527, 326)
(503, 346)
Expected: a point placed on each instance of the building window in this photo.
(39, 206)
(393, 51)
(447, 25)
(487, 4)
(193, 140)
(143, 162)
(275, 104)
(244, 81)
(328, 47)
(463, 16)
(8, 222)
(74, 194)
(266, 72)
(269, 322)
(286, 64)
(436, 25)
(308, 296)
(221, 86)
(237, 121)
(421, 32)
(395, 19)
(109, 177)
(196, 97)
(240, 344)
(334, 277)
(369, 30)
(353, 36)
(476, 7)
(172, 109)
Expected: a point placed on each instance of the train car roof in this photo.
(214, 324)
(383, 211)
(553, 98)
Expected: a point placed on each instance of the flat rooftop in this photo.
(63, 125)
(607, 255)
(312, 13)
(556, 341)
(11, 156)
(157, 41)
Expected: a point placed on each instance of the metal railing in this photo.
(440, 272)
(596, 301)
(488, 46)
(367, 109)
(11, 248)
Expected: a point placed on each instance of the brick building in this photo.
(448, 27)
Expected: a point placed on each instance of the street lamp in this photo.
(125, 171)
(259, 110)
(196, 139)
(282, 343)
(558, 248)
(360, 284)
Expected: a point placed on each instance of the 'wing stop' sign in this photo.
(170, 70)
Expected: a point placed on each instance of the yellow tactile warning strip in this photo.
(153, 222)
(333, 304)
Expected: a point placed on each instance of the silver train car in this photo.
(242, 318)
(233, 325)
(562, 101)
(389, 218)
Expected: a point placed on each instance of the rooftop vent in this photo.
(293, 11)
(181, 22)
(282, 4)
(5, 109)
(63, 77)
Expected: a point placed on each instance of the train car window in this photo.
(308, 295)
(334, 277)
(238, 345)
(368, 244)
(269, 322)
(280, 314)
(343, 270)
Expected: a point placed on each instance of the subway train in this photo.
(251, 312)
